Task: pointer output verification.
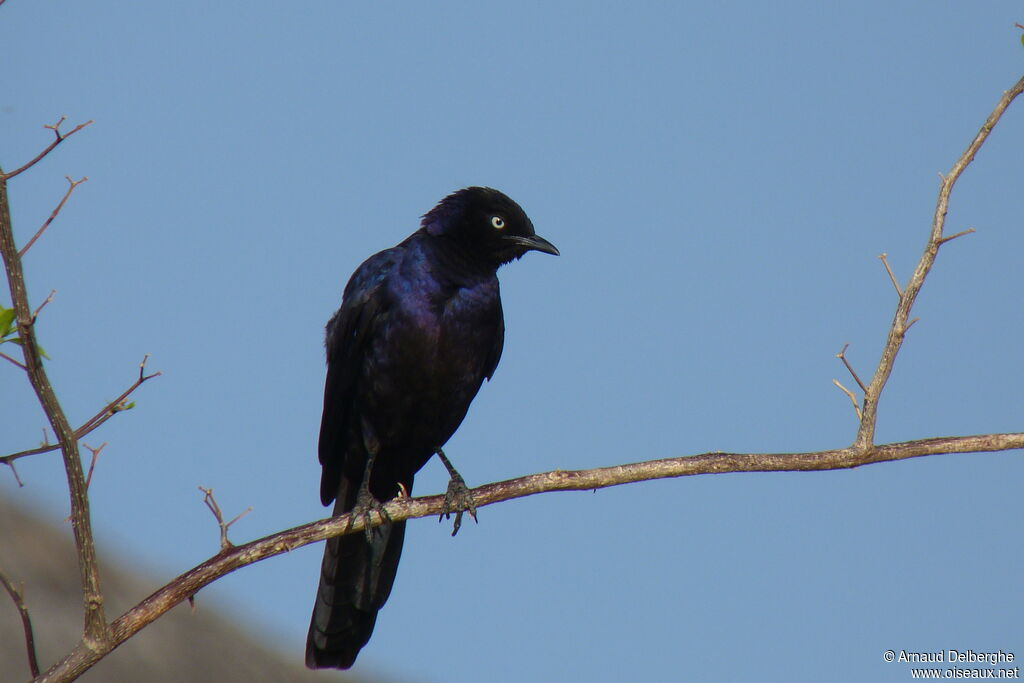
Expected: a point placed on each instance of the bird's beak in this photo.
(533, 243)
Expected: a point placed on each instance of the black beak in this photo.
(534, 243)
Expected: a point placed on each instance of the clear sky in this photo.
(720, 178)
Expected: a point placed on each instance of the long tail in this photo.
(355, 580)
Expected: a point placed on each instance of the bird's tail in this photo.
(355, 580)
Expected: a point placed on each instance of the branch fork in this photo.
(211, 503)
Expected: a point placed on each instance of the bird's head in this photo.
(487, 223)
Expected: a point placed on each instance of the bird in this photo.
(419, 329)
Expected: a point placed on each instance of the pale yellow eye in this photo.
(498, 222)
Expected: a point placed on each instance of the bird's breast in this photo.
(453, 335)
(430, 363)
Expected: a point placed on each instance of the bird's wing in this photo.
(497, 346)
(349, 332)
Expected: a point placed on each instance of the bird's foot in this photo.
(365, 506)
(458, 498)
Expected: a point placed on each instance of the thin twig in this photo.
(968, 231)
(14, 471)
(92, 464)
(15, 361)
(53, 214)
(118, 404)
(58, 138)
(399, 509)
(892, 276)
(211, 503)
(113, 408)
(853, 397)
(899, 326)
(35, 313)
(842, 356)
(7, 459)
(237, 517)
(18, 597)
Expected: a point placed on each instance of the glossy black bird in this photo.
(419, 329)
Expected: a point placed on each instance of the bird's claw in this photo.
(458, 499)
(365, 506)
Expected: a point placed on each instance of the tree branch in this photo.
(899, 327)
(110, 410)
(40, 307)
(851, 395)
(26, 621)
(92, 463)
(234, 557)
(211, 503)
(13, 360)
(849, 368)
(58, 138)
(53, 214)
(892, 276)
(96, 628)
(14, 471)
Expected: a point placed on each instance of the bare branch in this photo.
(398, 509)
(16, 362)
(53, 214)
(211, 503)
(40, 307)
(58, 138)
(118, 404)
(894, 340)
(26, 622)
(968, 231)
(14, 471)
(92, 464)
(96, 627)
(237, 517)
(853, 398)
(48, 448)
(113, 408)
(842, 356)
(892, 276)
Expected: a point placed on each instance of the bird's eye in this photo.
(498, 222)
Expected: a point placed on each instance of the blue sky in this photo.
(719, 177)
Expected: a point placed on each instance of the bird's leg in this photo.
(458, 498)
(366, 502)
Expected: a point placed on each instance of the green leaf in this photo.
(6, 321)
